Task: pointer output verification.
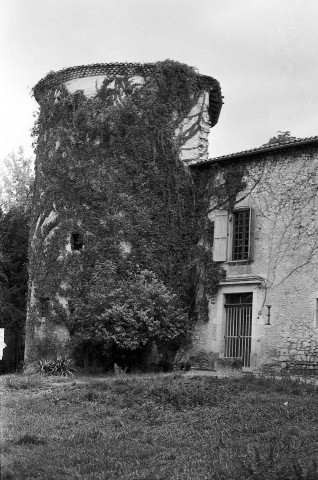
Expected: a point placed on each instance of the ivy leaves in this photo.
(111, 165)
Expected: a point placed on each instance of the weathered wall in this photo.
(193, 131)
(282, 193)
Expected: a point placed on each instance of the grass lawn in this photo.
(158, 427)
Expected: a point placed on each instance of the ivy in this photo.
(109, 166)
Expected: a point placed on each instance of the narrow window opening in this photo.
(44, 306)
(77, 241)
(268, 314)
(71, 307)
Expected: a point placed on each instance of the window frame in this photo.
(225, 252)
(232, 244)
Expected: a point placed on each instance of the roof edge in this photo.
(257, 151)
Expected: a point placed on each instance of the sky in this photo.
(263, 52)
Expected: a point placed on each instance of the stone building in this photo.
(264, 205)
(64, 227)
(262, 209)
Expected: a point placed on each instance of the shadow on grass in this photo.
(29, 440)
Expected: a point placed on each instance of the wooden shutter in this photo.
(220, 236)
(252, 234)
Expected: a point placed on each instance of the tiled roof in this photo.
(53, 79)
(256, 151)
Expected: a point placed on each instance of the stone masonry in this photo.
(281, 271)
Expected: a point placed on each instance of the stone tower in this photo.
(64, 223)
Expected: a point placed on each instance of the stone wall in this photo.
(282, 193)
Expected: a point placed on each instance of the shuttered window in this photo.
(220, 236)
(233, 235)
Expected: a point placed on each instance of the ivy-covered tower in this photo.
(113, 203)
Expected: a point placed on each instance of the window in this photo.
(44, 306)
(233, 235)
(71, 307)
(241, 235)
(77, 241)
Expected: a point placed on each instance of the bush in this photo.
(61, 366)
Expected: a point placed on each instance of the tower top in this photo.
(53, 79)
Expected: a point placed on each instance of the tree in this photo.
(16, 182)
(14, 233)
(3, 287)
(282, 137)
(15, 205)
(124, 320)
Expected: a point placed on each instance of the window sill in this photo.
(239, 262)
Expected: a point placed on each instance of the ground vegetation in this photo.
(159, 427)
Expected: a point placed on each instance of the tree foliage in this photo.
(281, 137)
(16, 181)
(14, 234)
(15, 201)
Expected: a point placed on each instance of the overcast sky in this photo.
(263, 52)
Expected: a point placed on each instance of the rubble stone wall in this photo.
(282, 194)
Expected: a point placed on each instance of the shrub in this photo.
(61, 366)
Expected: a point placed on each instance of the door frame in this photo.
(220, 317)
(238, 329)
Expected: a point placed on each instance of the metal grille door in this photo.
(238, 332)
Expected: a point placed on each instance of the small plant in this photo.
(61, 366)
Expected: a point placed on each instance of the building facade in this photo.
(263, 204)
(262, 210)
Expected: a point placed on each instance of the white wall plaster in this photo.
(37, 226)
(52, 216)
(68, 246)
(32, 294)
(64, 285)
(198, 120)
(62, 301)
(49, 236)
(125, 247)
(90, 85)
